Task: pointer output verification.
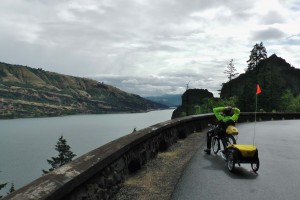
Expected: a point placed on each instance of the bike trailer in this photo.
(245, 150)
(242, 153)
(232, 130)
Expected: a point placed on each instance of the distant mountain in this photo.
(168, 100)
(29, 92)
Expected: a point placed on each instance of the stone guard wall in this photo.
(100, 173)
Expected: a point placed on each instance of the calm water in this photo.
(25, 144)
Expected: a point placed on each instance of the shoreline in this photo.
(78, 114)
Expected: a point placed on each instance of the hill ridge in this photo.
(31, 92)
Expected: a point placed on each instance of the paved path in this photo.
(278, 143)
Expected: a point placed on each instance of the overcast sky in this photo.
(147, 47)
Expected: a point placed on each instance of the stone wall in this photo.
(100, 173)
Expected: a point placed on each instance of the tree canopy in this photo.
(65, 155)
(2, 185)
(257, 54)
(231, 73)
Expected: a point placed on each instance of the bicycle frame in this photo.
(217, 136)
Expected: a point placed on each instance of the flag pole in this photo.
(258, 91)
(255, 117)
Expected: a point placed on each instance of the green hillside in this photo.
(278, 80)
(275, 76)
(30, 92)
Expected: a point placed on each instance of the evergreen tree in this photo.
(286, 103)
(296, 104)
(12, 188)
(289, 103)
(2, 185)
(65, 155)
(258, 53)
(231, 73)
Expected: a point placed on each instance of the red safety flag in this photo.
(258, 90)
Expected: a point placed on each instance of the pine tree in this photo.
(2, 185)
(65, 155)
(258, 53)
(231, 73)
(12, 188)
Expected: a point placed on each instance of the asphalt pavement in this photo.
(206, 177)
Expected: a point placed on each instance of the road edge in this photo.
(158, 178)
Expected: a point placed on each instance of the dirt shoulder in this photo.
(158, 178)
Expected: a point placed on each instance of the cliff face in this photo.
(29, 92)
(190, 100)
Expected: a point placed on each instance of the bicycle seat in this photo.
(232, 130)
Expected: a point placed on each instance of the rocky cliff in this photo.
(191, 100)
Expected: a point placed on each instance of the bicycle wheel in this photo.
(255, 165)
(230, 162)
(230, 140)
(215, 142)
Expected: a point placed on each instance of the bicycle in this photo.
(219, 136)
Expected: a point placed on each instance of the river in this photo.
(26, 144)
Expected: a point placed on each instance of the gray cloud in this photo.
(142, 46)
(272, 17)
(293, 5)
(168, 82)
(268, 34)
(293, 40)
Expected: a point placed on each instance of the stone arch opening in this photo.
(134, 165)
(163, 145)
(182, 134)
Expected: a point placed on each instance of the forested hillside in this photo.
(30, 92)
(276, 78)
